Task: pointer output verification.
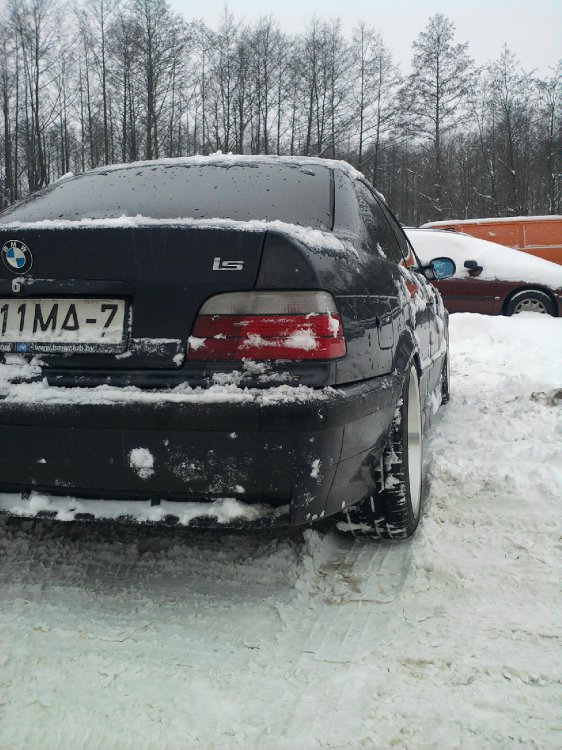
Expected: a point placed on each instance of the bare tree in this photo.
(126, 81)
(8, 85)
(435, 94)
(510, 92)
(36, 24)
(550, 129)
(125, 55)
(161, 41)
(377, 81)
(95, 19)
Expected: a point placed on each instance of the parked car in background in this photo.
(536, 235)
(490, 278)
(228, 339)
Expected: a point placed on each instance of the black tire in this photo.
(445, 381)
(530, 300)
(393, 512)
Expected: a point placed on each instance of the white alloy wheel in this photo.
(393, 510)
(414, 441)
(530, 305)
(530, 300)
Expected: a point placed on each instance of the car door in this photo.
(424, 301)
(470, 294)
(379, 309)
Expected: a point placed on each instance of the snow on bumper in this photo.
(224, 512)
(310, 450)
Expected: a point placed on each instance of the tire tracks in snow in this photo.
(352, 589)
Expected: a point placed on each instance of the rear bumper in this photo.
(303, 459)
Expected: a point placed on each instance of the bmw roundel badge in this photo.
(16, 256)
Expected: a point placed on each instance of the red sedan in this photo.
(489, 278)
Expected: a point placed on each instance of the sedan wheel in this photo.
(531, 300)
(394, 511)
(445, 381)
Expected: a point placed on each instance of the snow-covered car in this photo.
(489, 278)
(235, 340)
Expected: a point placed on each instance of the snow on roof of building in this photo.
(491, 220)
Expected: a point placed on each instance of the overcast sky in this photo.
(530, 28)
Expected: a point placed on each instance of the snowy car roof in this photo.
(498, 261)
(229, 160)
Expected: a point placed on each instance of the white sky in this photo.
(531, 29)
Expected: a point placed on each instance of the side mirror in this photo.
(473, 268)
(440, 268)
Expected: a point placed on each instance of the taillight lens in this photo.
(267, 325)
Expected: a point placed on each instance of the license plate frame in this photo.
(37, 325)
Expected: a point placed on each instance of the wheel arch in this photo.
(530, 288)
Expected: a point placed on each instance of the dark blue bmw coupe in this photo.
(178, 332)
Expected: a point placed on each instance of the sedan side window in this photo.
(403, 241)
(381, 238)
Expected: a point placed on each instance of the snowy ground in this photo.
(176, 639)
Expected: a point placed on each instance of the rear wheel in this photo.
(445, 381)
(531, 300)
(394, 511)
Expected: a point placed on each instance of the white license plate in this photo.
(62, 325)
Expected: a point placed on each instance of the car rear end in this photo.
(158, 368)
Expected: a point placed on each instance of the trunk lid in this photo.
(164, 274)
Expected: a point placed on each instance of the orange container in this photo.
(537, 235)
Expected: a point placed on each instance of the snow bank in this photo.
(527, 352)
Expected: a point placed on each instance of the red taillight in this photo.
(267, 325)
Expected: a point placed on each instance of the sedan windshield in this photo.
(267, 191)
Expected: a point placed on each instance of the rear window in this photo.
(291, 193)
